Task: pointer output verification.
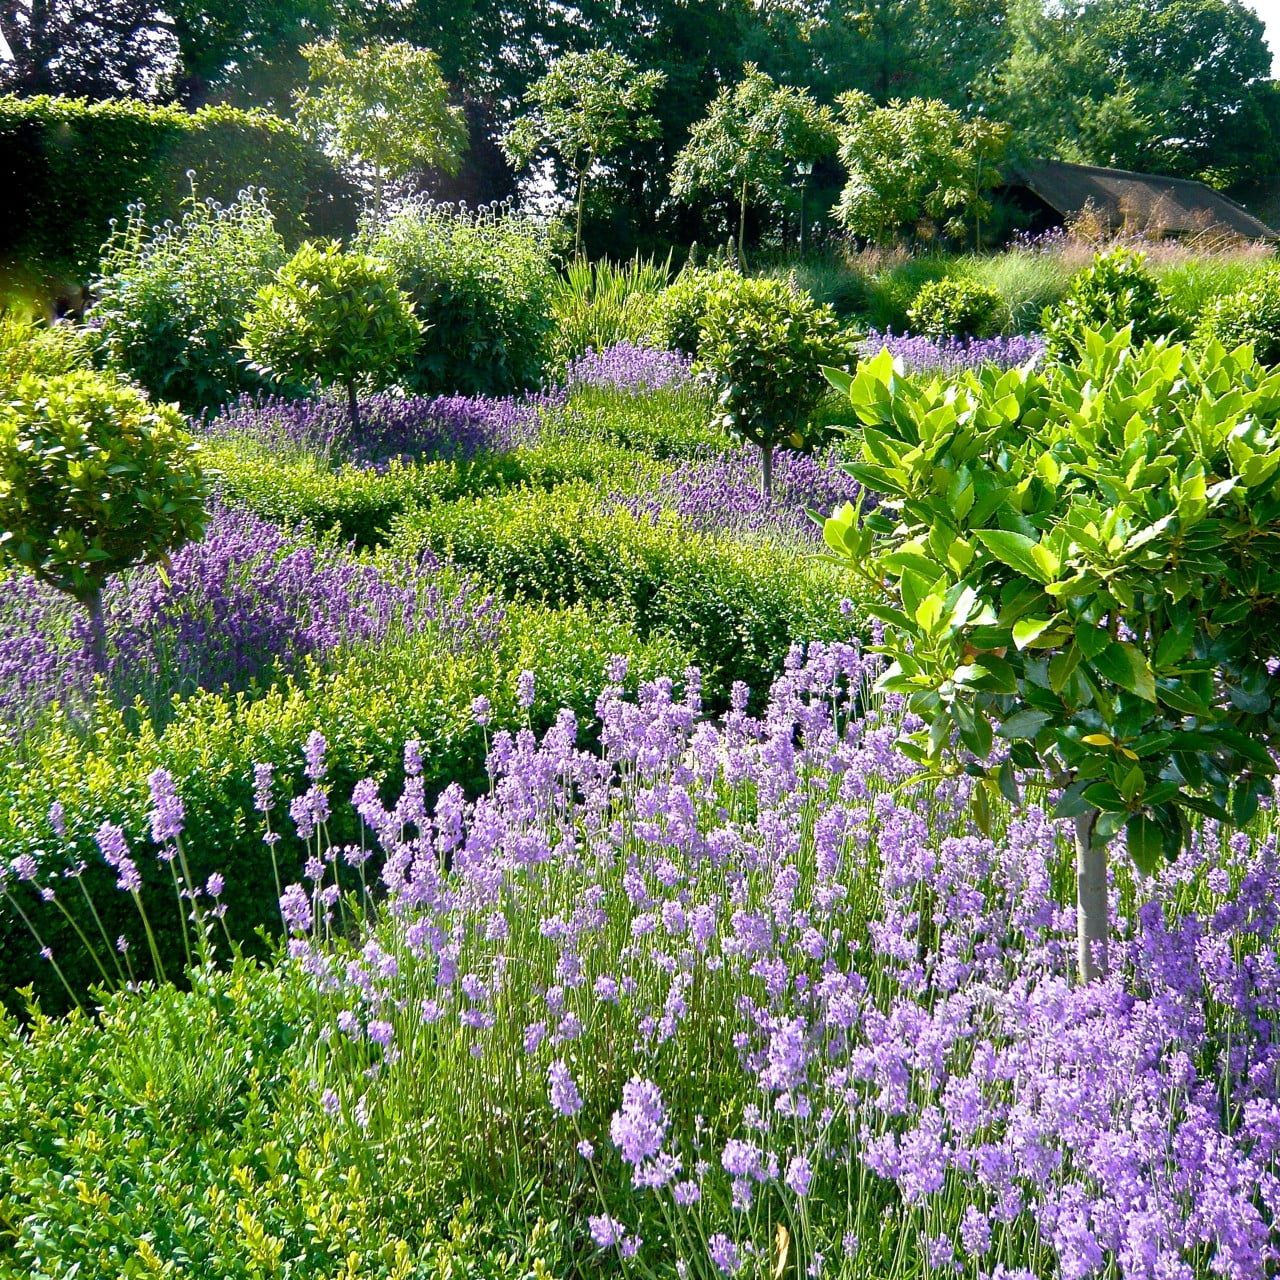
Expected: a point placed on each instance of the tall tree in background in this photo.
(749, 143)
(586, 107)
(383, 109)
(92, 49)
(912, 163)
(1174, 86)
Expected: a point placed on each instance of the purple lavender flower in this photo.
(724, 1253)
(481, 710)
(564, 1092)
(625, 367)
(640, 1124)
(954, 355)
(295, 909)
(167, 813)
(315, 752)
(606, 1231)
(524, 689)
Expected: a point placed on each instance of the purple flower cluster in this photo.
(247, 601)
(626, 367)
(781, 911)
(390, 426)
(720, 492)
(954, 355)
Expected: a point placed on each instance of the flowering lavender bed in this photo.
(627, 367)
(248, 602)
(759, 972)
(721, 492)
(954, 355)
(391, 426)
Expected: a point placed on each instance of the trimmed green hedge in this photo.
(68, 167)
(737, 605)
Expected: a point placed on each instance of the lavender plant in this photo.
(757, 996)
(953, 355)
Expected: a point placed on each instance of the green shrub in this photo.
(171, 299)
(673, 422)
(358, 503)
(93, 478)
(333, 317)
(1117, 290)
(680, 307)
(599, 304)
(1252, 315)
(43, 350)
(67, 168)
(367, 703)
(483, 281)
(736, 605)
(764, 341)
(957, 307)
(1193, 283)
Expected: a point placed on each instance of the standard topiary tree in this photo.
(333, 317)
(764, 342)
(1085, 568)
(956, 307)
(94, 478)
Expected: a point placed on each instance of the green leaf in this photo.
(1027, 630)
(1145, 842)
(1023, 724)
(1015, 550)
(1123, 664)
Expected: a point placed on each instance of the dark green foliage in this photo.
(764, 342)
(362, 702)
(483, 283)
(1250, 315)
(67, 168)
(736, 605)
(956, 307)
(599, 304)
(1116, 291)
(171, 300)
(680, 308)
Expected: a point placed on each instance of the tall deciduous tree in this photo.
(912, 162)
(586, 107)
(384, 109)
(749, 143)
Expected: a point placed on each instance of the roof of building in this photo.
(1149, 202)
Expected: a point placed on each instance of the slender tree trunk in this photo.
(377, 191)
(1092, 923)
(742, 228)
(353, 408)
(577, 231)
(97, 632)
(766, 469)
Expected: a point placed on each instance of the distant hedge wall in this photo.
(67, 167)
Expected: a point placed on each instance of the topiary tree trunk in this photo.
(1092, 922)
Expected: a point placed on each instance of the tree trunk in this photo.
(353, 408)
(577, 229)
(377, 192)
(742, 228)
(1092, 924)
(766, 469)
(97, 632)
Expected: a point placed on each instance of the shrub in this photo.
(1115, 292)
(483, 281)
(42, 350)
(93, 479)
(956, 307)
(67, 168)
(1251, 315)
(333, 317)
(681, 306)
(764, 342)
(736, 605)
(171, 300)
